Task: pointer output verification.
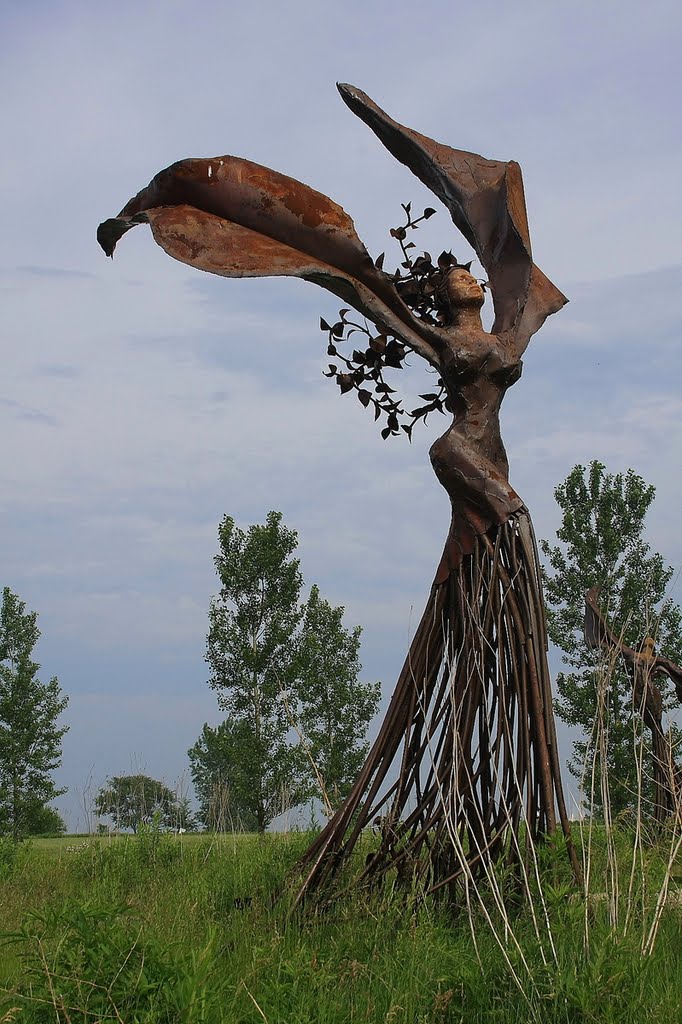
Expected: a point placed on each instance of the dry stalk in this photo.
(597, 769)
(303, 740)
(471, 884)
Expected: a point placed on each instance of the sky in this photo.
(141, 401)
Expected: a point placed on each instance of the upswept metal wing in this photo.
(486, 202)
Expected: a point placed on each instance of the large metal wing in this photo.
(236, 218)
(486, 202)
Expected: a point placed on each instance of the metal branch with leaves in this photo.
(419, 283)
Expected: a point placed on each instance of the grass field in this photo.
(156, 928)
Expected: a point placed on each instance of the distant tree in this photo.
(46, 821)
(222, 770)
(265, 665)
(601, 544)
(333, 707)
(134, 800)
(249, 651)
(30, 738)
(182, 817)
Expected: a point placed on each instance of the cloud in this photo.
(57, 370)
(52, 272)
(26, 413)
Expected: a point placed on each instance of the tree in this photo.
(222, 771)
(602, 545)
(333, 707)
(251, 624)
(45, 821)
(268, 665)
(182, 818)
(134, 800)
(30, 739)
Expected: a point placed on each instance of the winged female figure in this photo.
(466, 762)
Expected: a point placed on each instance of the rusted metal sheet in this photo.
(486, 202)
(237, 218)
(263, 200)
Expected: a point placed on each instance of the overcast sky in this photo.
(142, 401)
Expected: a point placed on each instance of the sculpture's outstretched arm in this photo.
(598, 633)
(643, 666)
(486, 201)
(673, 671)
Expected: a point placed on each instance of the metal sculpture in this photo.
(643, 665)
(465, 769)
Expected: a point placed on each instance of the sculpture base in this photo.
(464, 771)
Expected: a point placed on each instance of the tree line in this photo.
(286, 675)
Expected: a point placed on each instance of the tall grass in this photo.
(163, 929)
(160, 928)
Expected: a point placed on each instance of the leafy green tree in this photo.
(334, 708)
(601, 544)
(265, 668)
(46, 821)
(249, 651)
(222, 770)
(134, 800)
(30, 738)
(181, 816)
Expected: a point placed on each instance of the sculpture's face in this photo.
(463, 289)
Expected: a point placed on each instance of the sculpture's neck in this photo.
(466, 318)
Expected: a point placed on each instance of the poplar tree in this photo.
(601, 544)
(30, 738)
(333, 706)
(223, 766)
(285, 672)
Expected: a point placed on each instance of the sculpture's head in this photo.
(459, 298)
(462, 289)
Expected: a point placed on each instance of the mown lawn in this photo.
(170, 929)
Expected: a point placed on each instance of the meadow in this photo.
(162, 929)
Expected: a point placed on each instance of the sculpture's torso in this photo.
(469, 459)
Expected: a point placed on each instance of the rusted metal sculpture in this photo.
(465, 769)
(644, 665)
